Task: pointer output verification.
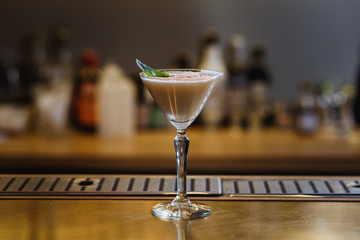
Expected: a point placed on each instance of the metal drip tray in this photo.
(292, 187)
(209, 187)
(106, 185)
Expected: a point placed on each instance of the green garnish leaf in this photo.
(151, 72)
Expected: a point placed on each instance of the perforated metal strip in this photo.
(324, 187)
(140, 185)
(106, 185)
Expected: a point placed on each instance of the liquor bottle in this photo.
(345, 98)
(34, 67)
(324, 101)
(61, 55)
(83, 113)
(52, 99)
(142, 110)
(356, 105)
(307, 117)
(237, 88)
(11, 89)
(184, 59)
(15, 101)
(214, 110)
(35, 60)
(259, 80)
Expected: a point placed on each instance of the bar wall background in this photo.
(317, 39)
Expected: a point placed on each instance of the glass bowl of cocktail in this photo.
(181, 94)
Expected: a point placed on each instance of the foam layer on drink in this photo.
(186, 75)
(182, 95)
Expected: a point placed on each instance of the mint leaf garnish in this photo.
(151, 71)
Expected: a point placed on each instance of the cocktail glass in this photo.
(181, 97)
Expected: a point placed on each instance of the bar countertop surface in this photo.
(131, 219)
(222, 151)
(41, 215)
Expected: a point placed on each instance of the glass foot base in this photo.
(167, 211)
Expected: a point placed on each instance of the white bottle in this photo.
(116, 103)
(212, 59)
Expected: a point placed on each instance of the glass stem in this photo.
(181, 143)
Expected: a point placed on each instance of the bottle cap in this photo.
(89, 57)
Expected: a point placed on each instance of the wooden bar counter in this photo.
(64, 210)
(222, 152)
(131, 219)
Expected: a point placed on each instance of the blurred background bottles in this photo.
(259, 82)
(237, 91)
(211, 58)
(84, 111)
(116, 103)
(336, 106)
(306, 115)
(185, 58)
(356, 104)
(34, 59)
(61, 56)
(52, 94)
(346, 100)
(14, 94)
(44, 89)
(12, 87)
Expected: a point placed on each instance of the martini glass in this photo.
(181, 97)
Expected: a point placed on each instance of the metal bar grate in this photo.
(142, 185)
(104, 185)
(324, 187)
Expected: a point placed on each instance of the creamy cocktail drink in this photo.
(180, 94)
